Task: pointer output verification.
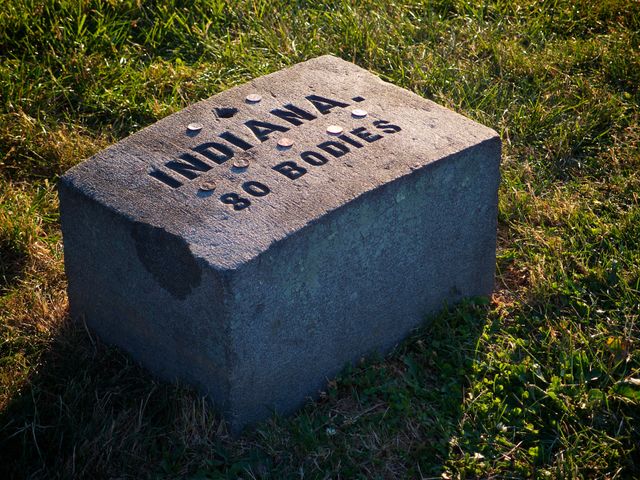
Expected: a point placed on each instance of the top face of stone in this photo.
(248, 167)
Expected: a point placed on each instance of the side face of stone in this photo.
(139, 287)
(255, 271)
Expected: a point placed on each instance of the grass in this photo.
(541, 381)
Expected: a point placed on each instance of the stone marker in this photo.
(243, 246)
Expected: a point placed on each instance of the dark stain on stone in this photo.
(167, 257)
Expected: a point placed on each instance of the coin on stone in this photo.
(194, 127)
(359, 113)
(208, 186)
(285, 142)
(241, 163)
(253, 98)
(334, 129)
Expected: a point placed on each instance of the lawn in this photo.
(541, 380)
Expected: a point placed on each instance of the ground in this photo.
(541, 380)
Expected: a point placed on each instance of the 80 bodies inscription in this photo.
(190, 165)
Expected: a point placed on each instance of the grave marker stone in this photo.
(255, 242)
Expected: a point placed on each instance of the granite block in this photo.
(240, 247)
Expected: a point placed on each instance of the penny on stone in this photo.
(285, 142)
(359, 113)
(241, 163)
(208, 186)
(194, 127)
(253, 98)
(334, 129)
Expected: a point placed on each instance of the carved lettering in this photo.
(290, 170)
(191, 165)
(235, 140)
(293, 114)
(262, 130)
(386, 126)
(225, 112)
(350, 141)
(313, 158)
(324, 105)
(164, 178)
(214, 151)
(188, 166)
(256, 189)
(235, 200)
(365, 134)
(336, 149)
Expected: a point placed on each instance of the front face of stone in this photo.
(295, 232)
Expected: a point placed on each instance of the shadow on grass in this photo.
(89, 411)
(12, 265)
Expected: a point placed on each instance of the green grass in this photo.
(541, 381)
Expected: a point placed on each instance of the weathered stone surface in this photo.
(259, 290)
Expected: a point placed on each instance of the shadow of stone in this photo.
(12, 263)
(393, 417)
(89, 411)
